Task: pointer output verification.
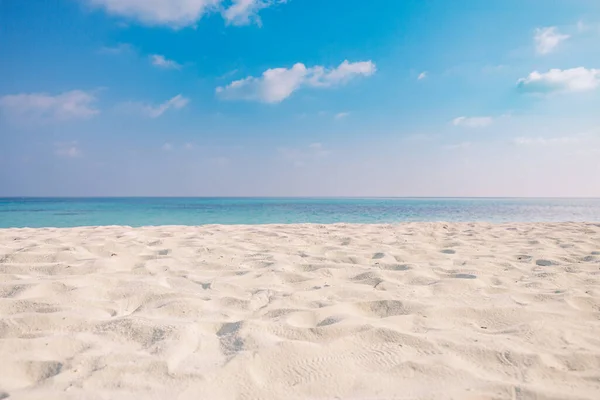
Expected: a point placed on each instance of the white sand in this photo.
(430, 311)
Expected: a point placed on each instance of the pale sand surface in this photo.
(418, 310)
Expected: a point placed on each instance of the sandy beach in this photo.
(408, 311)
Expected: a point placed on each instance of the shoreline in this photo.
(427, 310)
(316, 224)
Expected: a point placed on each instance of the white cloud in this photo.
(473, 122)
(274, 86)
(67, 149)
(167, 147)
(43, 107)
(244, 12)
(277, 84)
(422, 75)
(557, 80)
(175, 13)
(341, 115)
(188, 146)
(183, 13)
(546, 39)
(151, 111)
(321, 77)
(162, 62)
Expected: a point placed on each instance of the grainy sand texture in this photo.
(409, 311)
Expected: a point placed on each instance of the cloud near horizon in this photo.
(550, 141)
(277, 84)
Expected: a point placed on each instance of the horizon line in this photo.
(302, 197)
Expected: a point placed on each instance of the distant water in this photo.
(65, 212)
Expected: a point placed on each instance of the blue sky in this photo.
(300, 98)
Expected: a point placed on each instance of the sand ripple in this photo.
(418, 310)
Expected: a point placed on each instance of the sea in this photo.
(147, 211)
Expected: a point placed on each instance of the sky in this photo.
(300, 98)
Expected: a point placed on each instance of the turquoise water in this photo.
(65, 212)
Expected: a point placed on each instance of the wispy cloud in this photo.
(167, 147)
(184, 13)
(67, 149)
(161, 62)
(473, 122)
(120, 48)
(176, 103)
(341, 115)
(422, 75)
(155, 111)
(44, 107)
(547, 39)
(228, 74)
(277, 84)
(556, 80)
(582, 26)
(543, 141)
